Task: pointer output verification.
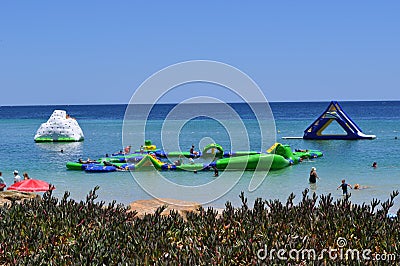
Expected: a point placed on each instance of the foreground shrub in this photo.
(66, 232)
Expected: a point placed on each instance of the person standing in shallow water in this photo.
(344, 187)
(216, 173)
(313, 175)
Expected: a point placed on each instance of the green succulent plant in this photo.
(66, 232)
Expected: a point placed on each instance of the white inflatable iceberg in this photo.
(59, 127)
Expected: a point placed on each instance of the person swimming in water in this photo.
(179, 161)
(357, 186)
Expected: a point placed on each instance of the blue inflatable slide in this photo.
(334, 112)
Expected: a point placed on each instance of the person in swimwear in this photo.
(344, 187)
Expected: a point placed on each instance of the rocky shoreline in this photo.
(11, 196)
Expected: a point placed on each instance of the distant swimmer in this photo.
(179, 161)
(357, 186)
(313, 175)
(374, 164)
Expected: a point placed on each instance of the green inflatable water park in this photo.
(253, 162)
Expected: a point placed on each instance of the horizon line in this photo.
(161, 103)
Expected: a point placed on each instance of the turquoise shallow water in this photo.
(102, 126)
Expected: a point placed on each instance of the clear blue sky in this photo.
(96, 52)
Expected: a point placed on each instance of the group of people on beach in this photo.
(314, 176)
(17, 178)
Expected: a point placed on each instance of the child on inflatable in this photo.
(192, 151)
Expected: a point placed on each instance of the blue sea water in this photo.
(102, 126)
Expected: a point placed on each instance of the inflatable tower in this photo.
(59, 127)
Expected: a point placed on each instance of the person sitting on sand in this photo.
(344, 187)
(313, 175)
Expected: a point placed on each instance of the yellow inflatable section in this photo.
(148, 146)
